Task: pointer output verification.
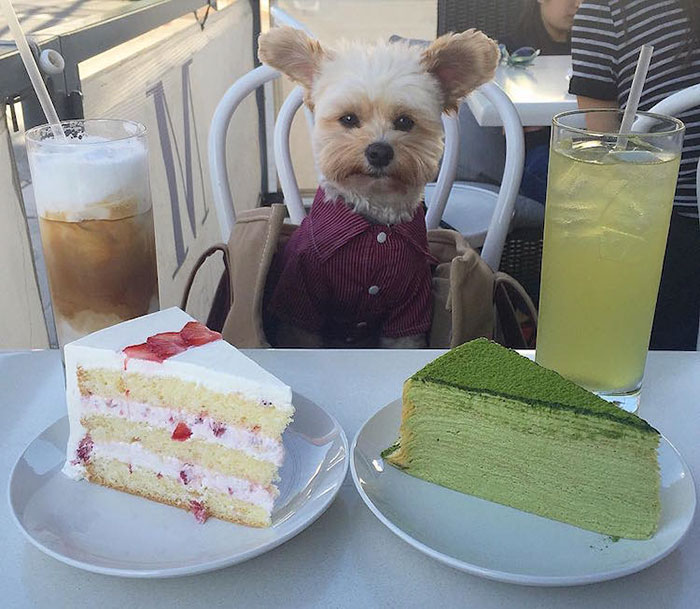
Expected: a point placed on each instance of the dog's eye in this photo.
(349, 120)
(403, 123)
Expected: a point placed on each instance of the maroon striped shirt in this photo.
(340, 273)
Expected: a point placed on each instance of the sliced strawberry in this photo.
(84, 449)
(195, 334)
(199, 511)
(142, 351)
(166, 344)
(181, 432)
(218, 428)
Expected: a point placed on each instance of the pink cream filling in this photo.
(191, 476)
(236, 438)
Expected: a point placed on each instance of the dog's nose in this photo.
(379, 154)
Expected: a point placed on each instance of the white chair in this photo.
(674, 105)
(223, 200)
(473, 209)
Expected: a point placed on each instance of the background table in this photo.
(347, 558)
(538, 92)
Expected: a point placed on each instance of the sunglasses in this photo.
(520, 58)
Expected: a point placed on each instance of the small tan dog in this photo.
(359, 264)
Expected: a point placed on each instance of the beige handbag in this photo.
(469, 299)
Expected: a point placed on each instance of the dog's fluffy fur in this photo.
(378, 85)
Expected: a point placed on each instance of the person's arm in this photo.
(603, 121)
(594, 46)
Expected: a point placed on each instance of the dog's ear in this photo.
(461, 63)
(291, 52)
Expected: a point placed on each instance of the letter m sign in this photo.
(179, 160)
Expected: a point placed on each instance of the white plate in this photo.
(502, 543)
(106, 531)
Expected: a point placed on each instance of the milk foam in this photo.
(85, 178)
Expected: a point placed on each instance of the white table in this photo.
(347, 558)
(538, 92)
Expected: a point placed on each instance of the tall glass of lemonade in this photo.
(609, 200)
(93, 199)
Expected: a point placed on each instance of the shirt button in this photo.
(373, 290)
(381, 237)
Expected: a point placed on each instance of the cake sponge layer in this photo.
(171, 392)
(104, 429)
(146, 483)
(598, 473)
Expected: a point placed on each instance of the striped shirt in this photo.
(341, 275)
(606, 39)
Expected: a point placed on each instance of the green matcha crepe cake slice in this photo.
(486, 421)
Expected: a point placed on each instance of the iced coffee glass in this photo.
(94, 206)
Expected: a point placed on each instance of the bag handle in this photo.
(505, 311)
(219, 247)
(504, 278)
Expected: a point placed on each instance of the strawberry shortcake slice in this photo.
(162, 407)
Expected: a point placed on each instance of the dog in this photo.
(359, 267)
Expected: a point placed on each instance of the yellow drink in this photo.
(606, 223)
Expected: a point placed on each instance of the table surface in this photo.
(538, 92)
(47, 18)
(347, 558)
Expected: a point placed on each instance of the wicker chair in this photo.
(522, 251)
(495, 18)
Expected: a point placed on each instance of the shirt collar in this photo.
(415, 232)
(332, 224)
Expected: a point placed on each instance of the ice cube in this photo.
(619, 245)
(591, 151)
(624, 223)
(638, 157)
(624, 213)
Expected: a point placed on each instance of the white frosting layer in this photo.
(236, 438)
(81, 177)
(192, 476)
(217, 365)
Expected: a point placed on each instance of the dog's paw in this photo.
(292, 336)
(417, 341)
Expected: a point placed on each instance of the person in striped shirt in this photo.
(606, 39)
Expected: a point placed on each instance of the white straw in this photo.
(32, 69)
(640, 75)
